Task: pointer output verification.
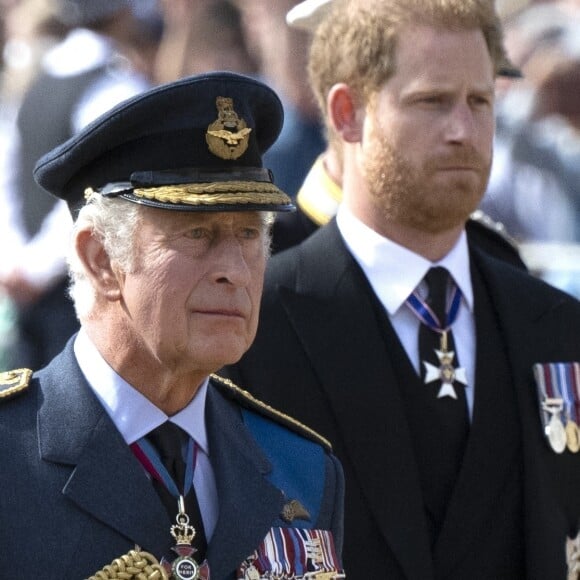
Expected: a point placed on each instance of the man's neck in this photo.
(433, 246)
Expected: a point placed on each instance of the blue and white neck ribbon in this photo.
(426, 316)
(447, 372)
(151, 461)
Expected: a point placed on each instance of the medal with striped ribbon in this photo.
(447, 372)
(558, 386)
(185, 566)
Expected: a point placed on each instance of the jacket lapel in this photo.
(107, 481)
(249, 504)
(334, 319)
(494, 442)
(530, 320)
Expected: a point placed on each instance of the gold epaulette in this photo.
(14, 382)
(247, 400)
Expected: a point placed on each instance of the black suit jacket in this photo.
(320, 356)
(290, 229)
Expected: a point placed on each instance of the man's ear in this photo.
(345, 115)
(97, 265)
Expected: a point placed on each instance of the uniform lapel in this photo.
(106, 481)
(249, 505)
(334, 319)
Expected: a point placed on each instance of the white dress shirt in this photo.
(394, 272)
(135, 416)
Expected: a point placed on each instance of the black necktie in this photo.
(442, 442)
(170, 440)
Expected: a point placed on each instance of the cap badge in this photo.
(228, 136)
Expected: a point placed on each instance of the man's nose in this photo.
(230, 265)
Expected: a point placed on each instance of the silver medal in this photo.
(556, 434)
(554, 429)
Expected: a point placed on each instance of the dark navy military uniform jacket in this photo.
(73, 497)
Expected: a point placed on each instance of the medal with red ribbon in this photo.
(185, 566)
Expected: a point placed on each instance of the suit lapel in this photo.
(334, 318)
(494, 443)
(107, 481)
(249, 505)
(528, 337)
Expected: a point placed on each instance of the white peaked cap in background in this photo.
(308, 14)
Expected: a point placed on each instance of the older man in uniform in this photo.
(126, 457)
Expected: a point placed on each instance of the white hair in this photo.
(114, 222)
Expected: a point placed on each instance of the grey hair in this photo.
(114, 222)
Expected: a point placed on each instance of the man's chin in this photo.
(440, 220)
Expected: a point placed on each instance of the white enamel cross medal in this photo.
(446, 371)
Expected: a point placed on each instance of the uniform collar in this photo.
(319, 197)
(131, 412)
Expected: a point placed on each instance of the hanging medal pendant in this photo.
(572, 436)
(185, 566)
(446, 372)
(555, 430)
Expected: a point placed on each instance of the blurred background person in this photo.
(282, 53)
(201, 36)
(28, 29)
(85, 72)
(534, 188)
(250, 37)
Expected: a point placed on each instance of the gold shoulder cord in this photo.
(257, 404)
(135, 565)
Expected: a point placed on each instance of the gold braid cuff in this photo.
(135, 565)
(224, 192)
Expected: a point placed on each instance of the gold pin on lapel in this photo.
(294, 510)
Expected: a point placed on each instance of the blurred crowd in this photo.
(63, 62)
(534, 188)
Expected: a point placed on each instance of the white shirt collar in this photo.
(131, 412)
(394, 271)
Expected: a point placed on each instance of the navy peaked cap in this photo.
(192, 145)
